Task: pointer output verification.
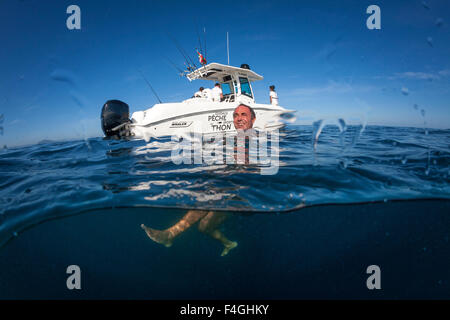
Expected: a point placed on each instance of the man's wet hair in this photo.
(249, 108)
(272, 87)
(201, 88)
(217, 84)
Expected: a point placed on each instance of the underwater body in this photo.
(344, 198)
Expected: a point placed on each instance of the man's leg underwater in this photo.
(209, 225)
(166, 237)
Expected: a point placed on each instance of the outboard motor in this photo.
(115, 119)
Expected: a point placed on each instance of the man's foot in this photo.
(162, 237)
(228, 247)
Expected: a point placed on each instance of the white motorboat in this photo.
(198, 114)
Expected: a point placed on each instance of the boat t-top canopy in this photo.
(219, 72)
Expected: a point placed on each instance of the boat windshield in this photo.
(227, 88)
(245, 87)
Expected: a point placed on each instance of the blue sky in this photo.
(320, 55)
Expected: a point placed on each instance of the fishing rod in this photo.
(181, 72)
(187, 58)
(198, 36)
(179, 50)
(148, 83)
(204, 39)
(193, 63)
(189, 67)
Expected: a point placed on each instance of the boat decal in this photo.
(180, 124)
(222, 126)
(199, 113)
(217, 116)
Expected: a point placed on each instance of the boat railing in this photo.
(229, 98)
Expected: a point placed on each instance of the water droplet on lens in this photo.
(430, 41)
(405, 91)
(88, 145)
(422, 112)
(342, 125)
(404, 160)
(63, 76)
(416, 107)
(77, 98)
(394, 143)
(287, 116)
(317, 129)
(425, 5)
(385, 200)
(439, 22)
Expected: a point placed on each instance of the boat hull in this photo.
(178, 119)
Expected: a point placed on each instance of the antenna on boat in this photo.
(148, 83)
(228, 49)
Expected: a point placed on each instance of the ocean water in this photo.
(344, 198)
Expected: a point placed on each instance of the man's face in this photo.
(242, 118)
